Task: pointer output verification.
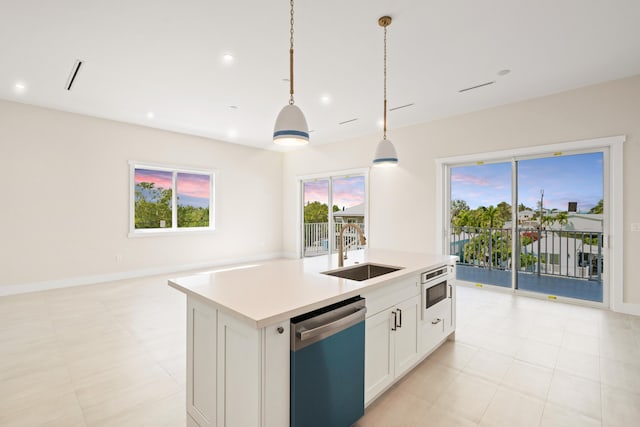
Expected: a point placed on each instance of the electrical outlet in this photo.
(635, 226)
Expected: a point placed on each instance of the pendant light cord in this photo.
(291, 58)
(384, 135)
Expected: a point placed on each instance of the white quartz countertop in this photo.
(268, 292)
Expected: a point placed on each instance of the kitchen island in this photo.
(239, 337)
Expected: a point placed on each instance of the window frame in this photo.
(174, 229)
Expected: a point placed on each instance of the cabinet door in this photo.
(239, 357)
(201, 363)
(275, 398)
(407, 348)
(379, 354)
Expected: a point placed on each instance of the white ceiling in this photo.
(165, 57)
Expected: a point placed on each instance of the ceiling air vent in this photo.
(477, 86)
(402, 106)
(348, 121)
(73, 74)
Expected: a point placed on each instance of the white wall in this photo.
(402, 213)
(65, 199)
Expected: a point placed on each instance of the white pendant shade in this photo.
(385, 154)
(291, 127)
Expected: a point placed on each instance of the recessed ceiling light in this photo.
(285, 80)
(326, 99)
(380, 124)
(233, 107)
(150, 115)
(20, 87)
(227, 58)
(503, 72)
(232, 133)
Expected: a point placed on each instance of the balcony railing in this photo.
(316, 238)
(573, 254)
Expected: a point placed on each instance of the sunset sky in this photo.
(347, 192)
(575, 178)
(193, 189)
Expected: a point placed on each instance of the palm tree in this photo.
(489, 214)
(597, 209)
(562, 218)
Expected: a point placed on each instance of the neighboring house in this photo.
(565, 255)
(526, 215)
(354, 214)
(580, 222)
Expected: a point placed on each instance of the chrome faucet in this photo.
(363, 241)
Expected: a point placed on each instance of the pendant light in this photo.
(291, 126)
(385, 152)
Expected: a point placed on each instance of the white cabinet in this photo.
(201, 363)
(391, 335)
(237, 375)
(407, 342)
(379, 363)
(439, 322)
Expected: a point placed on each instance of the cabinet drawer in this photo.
(391, 294)
(435, 326)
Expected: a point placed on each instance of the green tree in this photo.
(152, 206)
(457, 207)
(562, 218)
(488, 249)
(489, 216)
(317, 212)
(597, 209)
(504, 212)
(191, 216)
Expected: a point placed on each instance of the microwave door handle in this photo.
(450, 291)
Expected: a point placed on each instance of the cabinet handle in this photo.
(399, 317)
(450, 291)
(395, 320)
(280, 330)
(435, 322)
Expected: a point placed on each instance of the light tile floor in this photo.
(520, 361)
(114, 355)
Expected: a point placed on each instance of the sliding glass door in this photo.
(558, 224)
(480, 218)
(321, 225)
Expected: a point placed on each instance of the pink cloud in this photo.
(194, 185)
(317, 191)
(469, 179)
(161, 179)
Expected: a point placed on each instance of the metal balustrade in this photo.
(574, 254)
(316, 238)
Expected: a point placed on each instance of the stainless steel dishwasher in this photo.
(327, 365)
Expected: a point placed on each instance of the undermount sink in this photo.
(363, 271)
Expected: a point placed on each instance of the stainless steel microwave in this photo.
(435, 293)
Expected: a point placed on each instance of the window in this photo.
(167, 199)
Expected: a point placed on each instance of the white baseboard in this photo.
(629, 308)
(290, 255)
(23, 288)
